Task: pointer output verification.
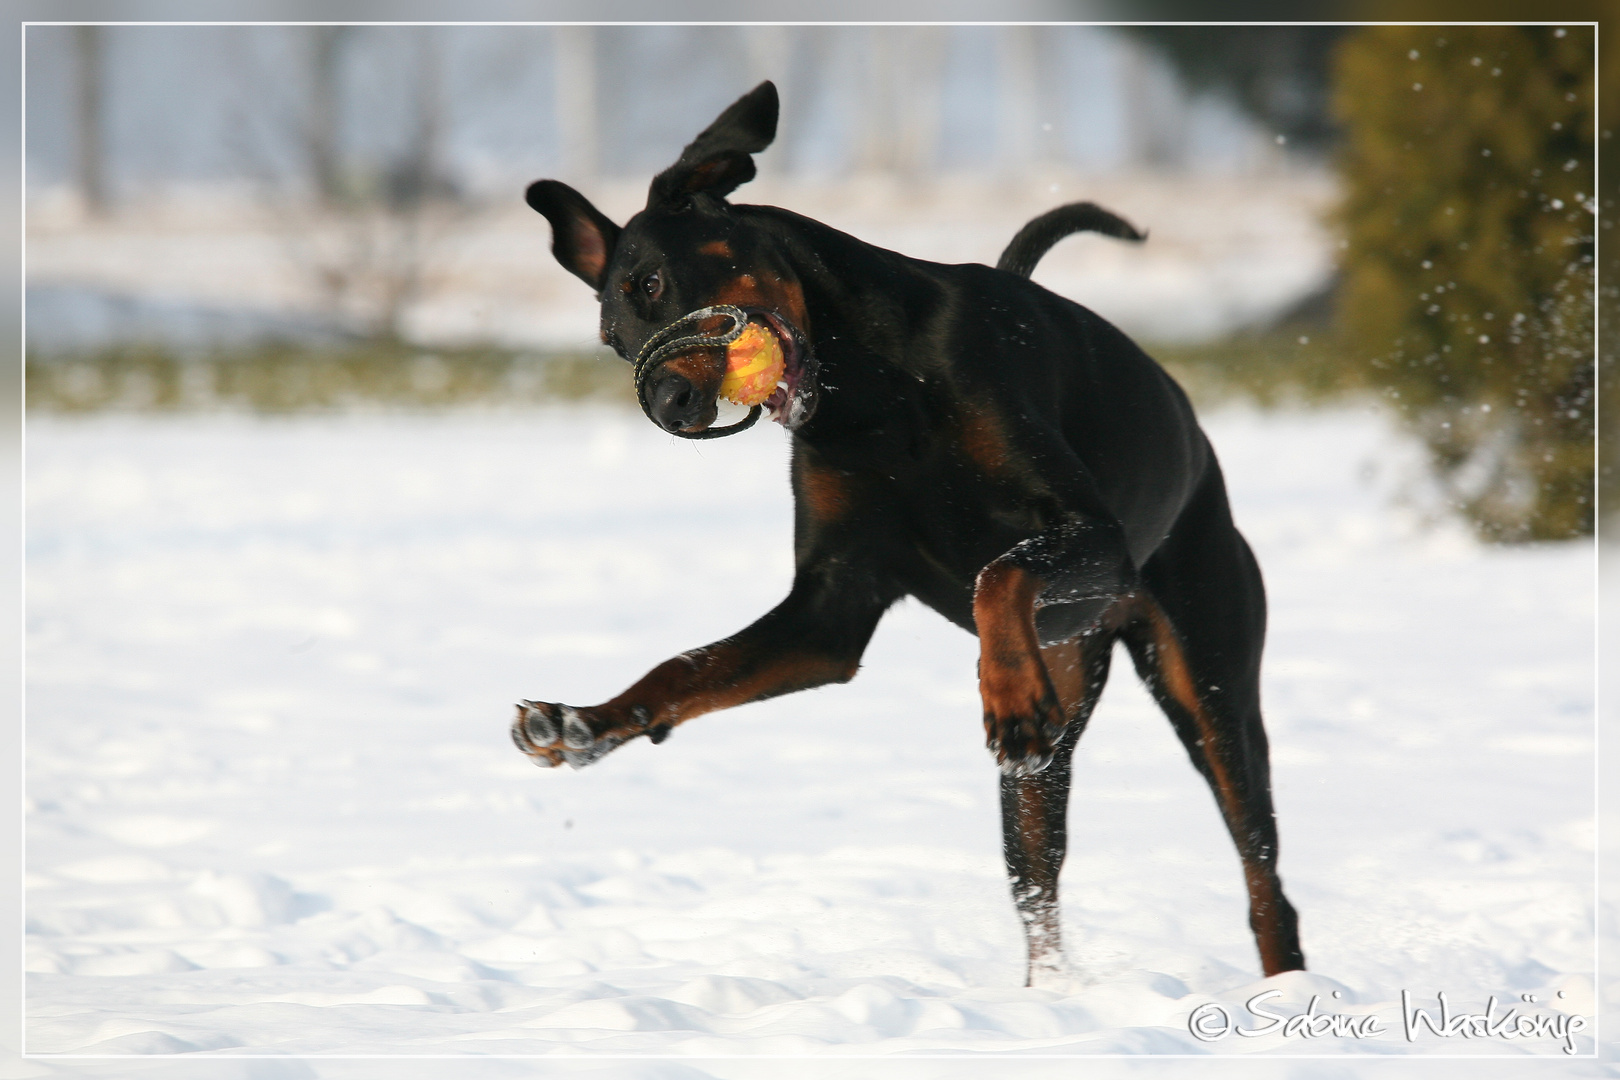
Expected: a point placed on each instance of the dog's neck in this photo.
(866, 306)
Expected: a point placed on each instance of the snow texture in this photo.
(273, 808)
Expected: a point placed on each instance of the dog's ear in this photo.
(719, 160)
(582, 237)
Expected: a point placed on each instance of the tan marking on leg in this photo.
(1263, 919)
(1178, 680)
(1065, 666)
(1257, 878)
(1042, 921)
(716, 677)
(1010, 667)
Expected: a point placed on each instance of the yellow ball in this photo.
(753, 366)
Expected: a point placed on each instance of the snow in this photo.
(273, 808)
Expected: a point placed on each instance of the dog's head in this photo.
(691, 249)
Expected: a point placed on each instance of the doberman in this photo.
(963, 436)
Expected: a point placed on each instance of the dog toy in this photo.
(753, 366)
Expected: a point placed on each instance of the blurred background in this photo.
(330, 218)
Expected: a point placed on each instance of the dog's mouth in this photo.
(687, 370)
(793, 401)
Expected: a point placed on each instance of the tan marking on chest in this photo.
(825, 492)
(984, 441)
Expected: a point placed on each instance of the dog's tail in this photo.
(1037, 238)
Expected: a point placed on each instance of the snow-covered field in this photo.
(273, 807)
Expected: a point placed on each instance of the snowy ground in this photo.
(273, 808)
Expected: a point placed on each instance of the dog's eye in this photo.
(653, 284)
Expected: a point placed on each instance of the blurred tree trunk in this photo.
(419, 173)
(574, 50)
(321, 138)
(90, 48)
(1152, 113)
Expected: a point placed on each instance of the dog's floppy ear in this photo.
(718, 160)
(582, 237)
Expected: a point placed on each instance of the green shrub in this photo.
(1468, 279)
(291, 378)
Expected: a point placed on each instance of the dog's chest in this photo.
(944, 524)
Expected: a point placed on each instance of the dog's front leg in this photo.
(814, 637)
(1078, 561)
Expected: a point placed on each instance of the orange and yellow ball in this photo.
(753, 366)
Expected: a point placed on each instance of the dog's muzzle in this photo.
(683, 335)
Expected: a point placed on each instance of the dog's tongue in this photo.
(753, 367)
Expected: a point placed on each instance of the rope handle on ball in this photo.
(667, 342)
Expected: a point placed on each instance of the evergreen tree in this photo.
(1468, 275)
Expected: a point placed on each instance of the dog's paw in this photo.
(555, 735)
(1024, 741)
(1023, 720)
(537, 731)
(1021, 749)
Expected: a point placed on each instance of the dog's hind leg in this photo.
(1196, 640)
(1034, 806)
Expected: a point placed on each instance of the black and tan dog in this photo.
(963, 436)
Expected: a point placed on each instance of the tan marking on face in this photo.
(741, 291)
(717, 248)
(768, 292)
(790, 301)
(703, 368)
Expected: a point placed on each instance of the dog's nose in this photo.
(675, 402)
